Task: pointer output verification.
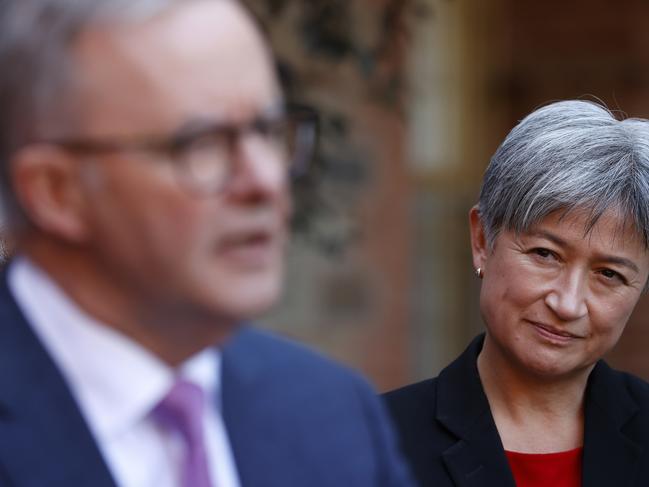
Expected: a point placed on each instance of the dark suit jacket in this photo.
(448, 434)
(293, 418)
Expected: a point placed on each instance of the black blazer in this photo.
(450, 438)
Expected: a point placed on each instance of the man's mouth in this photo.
(253, 248)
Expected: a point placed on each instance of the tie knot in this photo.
(181, 410)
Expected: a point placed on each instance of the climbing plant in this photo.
(335, 55)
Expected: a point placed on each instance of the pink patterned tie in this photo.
(181, 411)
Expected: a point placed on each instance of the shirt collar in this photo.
(116, 381)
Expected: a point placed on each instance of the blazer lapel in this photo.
(255, 436)
(43, 437)
(610, 457)
(478, 458)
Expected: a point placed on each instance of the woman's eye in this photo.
(610, 275)
(541, 252)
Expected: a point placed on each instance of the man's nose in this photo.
(259, 169)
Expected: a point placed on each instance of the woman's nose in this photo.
(567, 298)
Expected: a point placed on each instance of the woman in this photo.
(560, 239)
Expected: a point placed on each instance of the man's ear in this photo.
(46, 183)
(479, 247)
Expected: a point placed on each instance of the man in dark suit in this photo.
(144, 152)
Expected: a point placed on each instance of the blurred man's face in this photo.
(216, 255)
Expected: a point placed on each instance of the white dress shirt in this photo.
(117, 383)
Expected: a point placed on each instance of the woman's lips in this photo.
(554, 334)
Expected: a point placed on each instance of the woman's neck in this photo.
(532, 414)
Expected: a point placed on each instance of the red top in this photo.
(561, 469)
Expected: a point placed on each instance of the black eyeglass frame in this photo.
(299, 120)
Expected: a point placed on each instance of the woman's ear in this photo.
(46, 182)
(479, 246)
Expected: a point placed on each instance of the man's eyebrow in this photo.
(613, 259)
(196, 124)
(274, 109)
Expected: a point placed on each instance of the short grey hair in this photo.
(37, 72)
(569, 155)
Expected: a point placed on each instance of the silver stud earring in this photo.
(479, 273)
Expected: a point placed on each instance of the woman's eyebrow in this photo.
(549, 236)
(614, 259)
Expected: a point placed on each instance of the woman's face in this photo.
(555, 299)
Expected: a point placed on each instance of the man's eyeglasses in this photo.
(204, 155)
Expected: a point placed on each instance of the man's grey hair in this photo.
(570, 155)
(37, 69)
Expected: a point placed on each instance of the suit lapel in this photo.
(477, 458)
(43, 437)
(255, 435)
(610, 457)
